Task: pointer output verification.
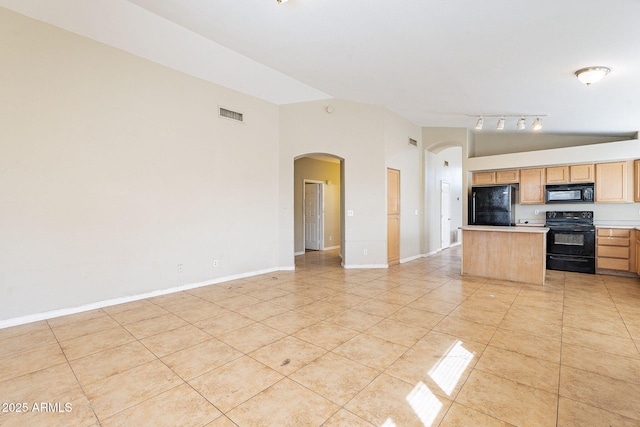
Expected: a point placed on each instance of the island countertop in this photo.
(506, 229)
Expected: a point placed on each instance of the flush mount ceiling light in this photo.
(592, 75)
(480, 123)
(500, 125)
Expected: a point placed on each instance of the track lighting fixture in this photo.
(521, 123)
(282, 1)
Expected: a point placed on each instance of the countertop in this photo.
(617, 224)
(504, 229)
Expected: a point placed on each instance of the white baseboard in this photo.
(432, 252)
(298, 253)
(329, 248)
(365, 266)
(412, 258)
(121, 300)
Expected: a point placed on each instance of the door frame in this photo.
(442, 184)
(320, 236)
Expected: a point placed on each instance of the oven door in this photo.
(571, 263)
(573, 241)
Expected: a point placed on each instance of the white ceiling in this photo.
(433, 62)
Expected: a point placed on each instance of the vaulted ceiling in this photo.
(436, 63)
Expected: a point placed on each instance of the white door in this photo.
(312, 215)
(445, 215)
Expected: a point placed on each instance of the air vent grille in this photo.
(233, 115)
(413, 142)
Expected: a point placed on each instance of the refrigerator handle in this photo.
(473, 208)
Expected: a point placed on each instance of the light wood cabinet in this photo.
(532, 186)
(508, 176)
(611, 182)
(570, 174)
(636, 180)
(558, 175)
(582, 173)
(483, 178)
(637, 269)
(614, 249)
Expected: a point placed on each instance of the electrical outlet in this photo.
(216, 263)
(366, 252)
(179, 268)
(350, 212)
(536, 212)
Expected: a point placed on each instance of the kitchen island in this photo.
(517, 254)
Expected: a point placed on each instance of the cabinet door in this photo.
(636, 181)
(508, 177)
(581, 173)
(611, 182)
(483, 178)
(558, 175)
(638, 255)
(532, 186)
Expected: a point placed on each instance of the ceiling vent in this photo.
(413, 142)
(233, 115)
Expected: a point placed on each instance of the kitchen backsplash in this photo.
(604, 213)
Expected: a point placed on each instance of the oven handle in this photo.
(557, 258)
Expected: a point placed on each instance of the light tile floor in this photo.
(412, 345)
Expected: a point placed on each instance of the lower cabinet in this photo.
(614, 250)
(637, 251)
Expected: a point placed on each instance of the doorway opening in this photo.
(318, 204)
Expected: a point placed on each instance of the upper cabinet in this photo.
(483, 178)
(558, 175)
(582, 173)
(570, 174)
(532, 186)
(611, 182)
(496, 177)
(508, 176)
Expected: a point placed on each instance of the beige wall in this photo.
(365, 136)
(353, 132)
(408, 160)
(114, 170)
(318, 170)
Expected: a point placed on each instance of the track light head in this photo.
(480, 123)
(537, 124)
(522, 123)
(500, 125)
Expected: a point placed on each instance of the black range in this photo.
(571, 241)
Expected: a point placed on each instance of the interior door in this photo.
(393, 216)
(445, 215)
(312, 213)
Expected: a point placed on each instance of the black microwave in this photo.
(570, 193)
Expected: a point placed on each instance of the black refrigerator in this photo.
(493, 205)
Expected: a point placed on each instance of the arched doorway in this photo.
(318, 203)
